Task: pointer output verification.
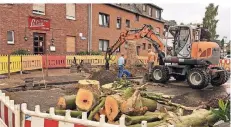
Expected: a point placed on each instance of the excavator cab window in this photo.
(181, 38)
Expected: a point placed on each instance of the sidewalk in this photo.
(55, 76)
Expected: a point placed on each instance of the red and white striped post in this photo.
(9, 113)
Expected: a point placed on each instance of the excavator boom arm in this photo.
(145, 32)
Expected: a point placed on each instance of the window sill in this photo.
(38, 13)
(70, 18)
(118, 28)
(104, 26)
(10, 43)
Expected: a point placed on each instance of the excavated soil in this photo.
(104, 76)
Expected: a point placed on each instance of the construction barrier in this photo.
(3, 64)
(15, 63)
(31, 62)
(70, 59)
(54, 61)
(9, 113)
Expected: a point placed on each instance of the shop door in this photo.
(39, 43)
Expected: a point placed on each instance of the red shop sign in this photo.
(36, 23)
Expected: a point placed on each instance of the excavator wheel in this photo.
(221, 78)
(160, 74)
(198, 78)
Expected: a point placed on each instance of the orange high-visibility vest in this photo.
(151, 57)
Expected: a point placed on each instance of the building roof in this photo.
(132, 8)
(156, 6)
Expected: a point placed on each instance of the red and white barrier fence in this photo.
(10, 117)
(9, 113)
(40, 119)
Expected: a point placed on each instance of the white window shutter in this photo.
(39, 8)
(70, 11)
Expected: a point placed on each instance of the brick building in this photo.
(71, 28)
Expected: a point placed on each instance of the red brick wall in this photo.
(112, 33)
(15, 17)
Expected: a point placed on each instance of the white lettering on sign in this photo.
(36, 23)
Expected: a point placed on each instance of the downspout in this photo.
(89, 28)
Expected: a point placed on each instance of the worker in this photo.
(121, 65)
(151, 59)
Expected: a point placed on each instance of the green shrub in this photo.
(87, 53)
(20, 52)
(223, 113)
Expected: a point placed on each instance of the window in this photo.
(70, 11)
(144, 46)
(157, 30)
(149, 46)
(103, 20)
(150, 11)
(118, 49)
(128, 23)
(137, 17)
(118, 24)
(144, 7)
(158, 14)
(10, 37)
(39, 9)
(70, 44)
(103, 45)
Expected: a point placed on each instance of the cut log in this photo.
(97, 117)
(96, 109)
(128, 92)
(76, 114)
(129, 120)
(66, 102)
(92, 85)
(133, 105)
(150, 104)
(151, 124)
(112, 106)
(85, 100)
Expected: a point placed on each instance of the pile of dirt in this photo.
(104, 76)
(138, 70)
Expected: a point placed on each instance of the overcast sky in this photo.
(194, 12)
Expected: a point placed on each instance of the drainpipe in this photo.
(89, 28)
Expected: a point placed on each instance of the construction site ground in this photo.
(62, 82)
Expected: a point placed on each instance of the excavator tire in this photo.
(180, 77)
(160, 74)
(198, 78)
(221, 78)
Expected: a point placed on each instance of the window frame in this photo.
(144, 46)
(158, 14)
(129, 23)
(39, 12)
(137, 17)
(144, 7)
(12, 34)
(150, 11)
(158, 32)
(71, 17)
(107, 15)
(120, 22)
(103, 40)
(149, 46)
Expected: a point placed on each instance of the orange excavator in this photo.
(191, 59)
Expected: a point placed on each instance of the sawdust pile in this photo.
(104, 76)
